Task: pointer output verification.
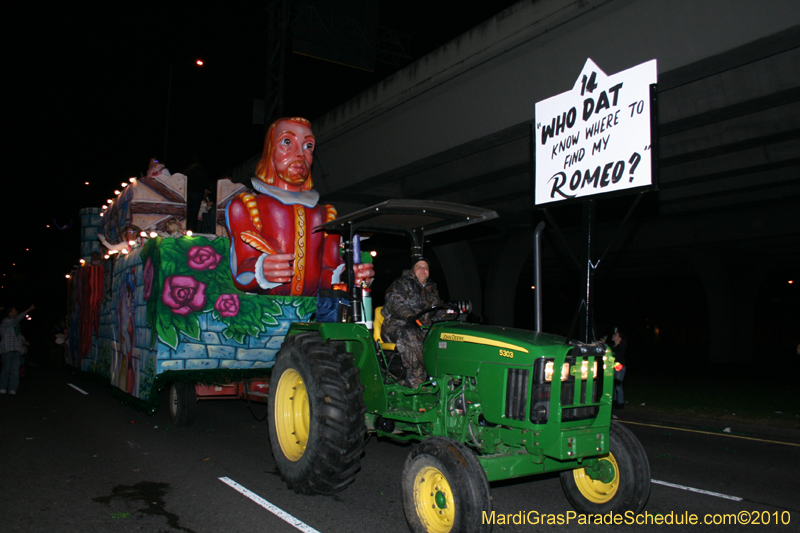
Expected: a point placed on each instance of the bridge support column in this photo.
(461, 273)
(501, 285)
(731, 287)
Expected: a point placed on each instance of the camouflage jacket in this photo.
(406, 297)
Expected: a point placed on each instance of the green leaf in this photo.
(167, 334)
(269, 320)
(192, 327)
(306, 306)
(270, 306)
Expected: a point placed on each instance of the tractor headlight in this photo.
(585, 370)
(548, 371)
(565, 371)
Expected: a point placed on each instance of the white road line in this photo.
(700, 491)
(280, 513)
(78, 389)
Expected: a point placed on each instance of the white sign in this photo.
(596, 138)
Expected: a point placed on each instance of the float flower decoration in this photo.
(191, 276)
(203, 257)
(227, 305)
(184, 295)
(148, 273)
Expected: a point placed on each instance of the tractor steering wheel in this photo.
(460, 311)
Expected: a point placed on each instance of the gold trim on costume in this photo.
(299, 250)
(252, 208)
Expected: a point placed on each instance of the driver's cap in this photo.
(417, 260)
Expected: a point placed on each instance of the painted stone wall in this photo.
(170, 305)
(90, 222)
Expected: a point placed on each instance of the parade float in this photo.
(211, 315)
(153, 306)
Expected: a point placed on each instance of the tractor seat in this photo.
(376, 331)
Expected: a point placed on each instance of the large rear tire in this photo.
(445, 489)
(182, 403)
(316, 414)
(626, 486)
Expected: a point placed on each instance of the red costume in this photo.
(274, 248)
(279, 221)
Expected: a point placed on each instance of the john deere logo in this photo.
(574, 370)
(480, 340)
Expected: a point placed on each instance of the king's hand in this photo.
(277, 268)
(364, 274)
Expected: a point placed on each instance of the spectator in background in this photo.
(25, 360)
(57, 353)
(11, 347)
(619, 345)
(206, 216)
(196, 184)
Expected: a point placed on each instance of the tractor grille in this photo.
(516, 393)
(568, 396)
(589, 390)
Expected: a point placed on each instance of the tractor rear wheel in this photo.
(316, 414)
(625, 485)
(445, 489)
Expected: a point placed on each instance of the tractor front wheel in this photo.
(620, 483)
(316, 414)
(445, 489)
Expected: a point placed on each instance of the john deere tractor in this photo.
(500, 402)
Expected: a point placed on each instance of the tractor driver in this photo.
(408, 295)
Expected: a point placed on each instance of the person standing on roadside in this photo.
(618, 347)
(11, 348)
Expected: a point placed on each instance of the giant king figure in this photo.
(274, 249)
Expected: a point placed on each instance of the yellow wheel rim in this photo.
(595, 490)
(291, 414)
(433, 499)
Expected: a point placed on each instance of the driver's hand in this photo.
(411, 321)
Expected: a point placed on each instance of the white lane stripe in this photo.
(280, 513)
(78, 389)
(700, 491)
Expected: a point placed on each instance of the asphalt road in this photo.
(84, 462)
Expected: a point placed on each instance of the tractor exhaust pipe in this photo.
(537, 274)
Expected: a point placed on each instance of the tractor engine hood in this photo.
(456, 348)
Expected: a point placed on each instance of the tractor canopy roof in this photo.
(419, 218)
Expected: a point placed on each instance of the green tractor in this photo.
(500, 403)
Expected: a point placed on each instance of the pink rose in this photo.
(184, 294)
(203, 257)
(227, 304)
(149, 271)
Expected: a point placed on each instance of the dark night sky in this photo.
(88, 102)
(88, 92)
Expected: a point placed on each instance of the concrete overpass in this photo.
(456, 126)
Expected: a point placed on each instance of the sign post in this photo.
(596, 139)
